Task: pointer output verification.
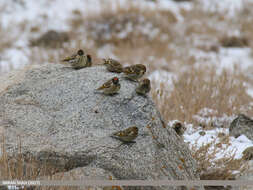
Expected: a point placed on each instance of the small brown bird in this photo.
(144, 87)
(79, 60)
(179, 128)
(134, 72)
(127, 135)
(110, 87)
(112, 65)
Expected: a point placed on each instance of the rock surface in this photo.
(241, 125)
(248, 153)
(62, 121)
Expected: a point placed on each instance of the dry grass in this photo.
(20, 166)
(24, 167)
(196, 89)
(6, 40)
(211, 168)
(157, 35)
(133, 32)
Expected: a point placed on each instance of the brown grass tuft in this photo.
(200, 88)
(20, 167)
(6, 39)
(211, 168)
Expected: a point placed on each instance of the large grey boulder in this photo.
(241, 125)
(61, 121)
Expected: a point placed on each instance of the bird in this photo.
(134, 72)
(110, 87)
(79, 60)
(126, 135)
(144, 87)
(113, 65)
(179, 128)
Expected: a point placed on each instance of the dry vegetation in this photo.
(211, 168)
(153, 37)
(200, 88)
(7, 40)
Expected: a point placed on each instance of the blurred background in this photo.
(198, 53)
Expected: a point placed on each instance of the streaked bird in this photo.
(127, 135)
(134, 72)
(110, 87)
(179, 128)
(113, 65)
(144, 87)
(79, 60)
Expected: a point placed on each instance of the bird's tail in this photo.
(66, 59)
(101, 87)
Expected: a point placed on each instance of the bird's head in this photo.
(115, 80)
(80, 52)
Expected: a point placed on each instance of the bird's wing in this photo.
(116, 63)
(128, 70)
(105, 85)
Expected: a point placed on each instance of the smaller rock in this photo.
(241, 125)
(51, 39)
(248, 153)
(234, 41)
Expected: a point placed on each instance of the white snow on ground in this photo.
(236, 145)
(162, 76)
(194, 139)
(250, 91)
(230, 7)
(226, 58)
(55, 15)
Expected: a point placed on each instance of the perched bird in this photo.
(79, 60)
(134, 72)
(127, 135)
(112, 65)
(179, 128)
(110, 87)
(143, 87)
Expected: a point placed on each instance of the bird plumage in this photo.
(79, 60)
(144, 87)
(113, 65)
(127, 135)
(134, 72)
(110, 87)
